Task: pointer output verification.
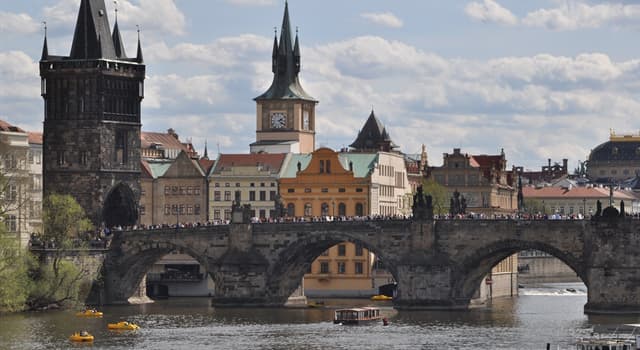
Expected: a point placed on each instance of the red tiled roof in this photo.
(485, 161)
(4, 126)
(165, 139)
(266, 160)
(575, 192)
(35, 138)
(206, 164)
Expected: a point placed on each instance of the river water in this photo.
(549, 314)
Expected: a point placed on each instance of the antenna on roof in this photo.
(218, 144)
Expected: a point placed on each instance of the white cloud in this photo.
(20, 23)
(574, 15)
(386, 19)
(490, 11)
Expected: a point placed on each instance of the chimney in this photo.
(172, 133)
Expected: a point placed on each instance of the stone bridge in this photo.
(437, 264)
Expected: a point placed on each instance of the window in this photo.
(216, 196)
(321, 166)
(328, 167)
(174, 190)
(359, 268)
(359, 209)
(307, 190)
(11, 162)
(38, 157)
(262, 184)
(359, 190)
(342, 209)
(342, 190)
(189, 190)
(12, 223)
(324, 190)
(142, 210)
(226, 184)
(342, 250)
(272, 195)
(196, 209)
(60, 157)
(167, 209)
(189, 209)
(216, 214)
(324, 267)
(13, 192)
(342, 267)
(263, 213)
(291, 190)
(308, 211)
(291, 210)
(121, 147)
(252, 195)
(324, 209)
(252, 185)
(227, 214)
(216, 185)
(182, 209)
(238, 196)
(359, 250)
(227, 195)
(237, 184)
(263, 195)
(182, 191)
(196, 190)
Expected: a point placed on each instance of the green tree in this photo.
(14, 273)
(534, 206)
(439, 195)
(59, 279)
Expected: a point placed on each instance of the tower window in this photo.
(121, 147)
(83, 157)
(60, 157)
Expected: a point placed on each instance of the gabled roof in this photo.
(292, 166)
(268, 161)
(206, 164)
(167, 140)
(363, 163)
(156, 167)
(485, 161)
(286, 66)
(4, 126)
(373, 137)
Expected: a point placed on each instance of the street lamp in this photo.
(584, 207)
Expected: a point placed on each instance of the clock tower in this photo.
(285, 113)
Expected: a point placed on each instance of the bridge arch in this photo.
(294, 260)
(120, 207)
(477, 265)
(138, 261)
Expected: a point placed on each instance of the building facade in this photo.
(92, 124)
(483, 180)
(285, 113)
(34, 162)
(16, 181)
(245, 179)
(615, 160)
(574, 201)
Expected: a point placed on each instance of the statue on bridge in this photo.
(422, 207)
(458, 204)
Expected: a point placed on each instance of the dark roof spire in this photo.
(206, 154)
(373, 137)
(286, 66)
(274, 55)
(139, 57)
(45, 47)
(117, 38)
(91, 29)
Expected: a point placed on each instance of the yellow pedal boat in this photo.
(89, 313)
(381, 297)
(123, 325)
(82, 337)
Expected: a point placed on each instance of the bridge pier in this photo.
(427, 287)
(613, 291)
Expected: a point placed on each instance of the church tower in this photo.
(92, 119)
(285, 114)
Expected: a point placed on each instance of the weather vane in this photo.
(115, 2)
(45, 27)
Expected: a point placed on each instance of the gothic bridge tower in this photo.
(285, 113)
(92, 119)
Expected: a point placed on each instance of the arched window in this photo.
(325, 209)
(342, 209)
(291, 210)
(359, 209)
(308, 210)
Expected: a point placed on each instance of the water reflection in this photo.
(527, 322)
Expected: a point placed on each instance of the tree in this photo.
(58, 279)
(14, 273)
(534, 206)
(438, 194)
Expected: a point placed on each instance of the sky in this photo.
(540, 79)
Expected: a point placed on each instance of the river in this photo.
(549, 314)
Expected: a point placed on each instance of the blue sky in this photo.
(539, 79)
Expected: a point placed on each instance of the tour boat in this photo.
(625, 337)
(82, 337)
(89, 313)
(357, 315)
(123, 325)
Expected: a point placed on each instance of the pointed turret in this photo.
(45, 49)
(373, 137)
(296, 54)
(206, 153)
(139, 57)
(286, 66)
(117, 41)
(274, 55)
(91, 29)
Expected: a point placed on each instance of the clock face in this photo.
(278, 120)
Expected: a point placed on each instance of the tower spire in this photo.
(92, 27)
(296, 54)
(139, 57)
(117, 38)
(45, 47)
(206, 154)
